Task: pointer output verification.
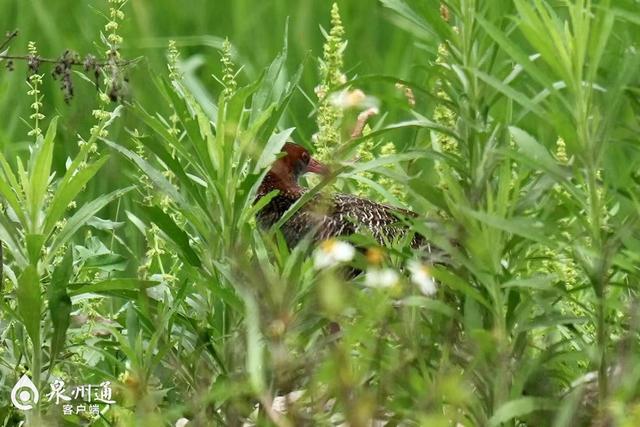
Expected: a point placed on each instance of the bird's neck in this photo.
(287, 186)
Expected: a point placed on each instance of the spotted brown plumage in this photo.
(325, 216)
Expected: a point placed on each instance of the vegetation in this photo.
(132, 256)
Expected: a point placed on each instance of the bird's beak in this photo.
(315, 166)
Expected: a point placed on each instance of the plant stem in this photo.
(36, 362)
(72, 62)
(10, 36)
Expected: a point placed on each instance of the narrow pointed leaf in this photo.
(175, 233)
(60, 303)
(41, 168)
(30, 303)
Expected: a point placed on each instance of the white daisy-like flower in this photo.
(182, 422)
(381, 278)
(332, 252)
(421, 276)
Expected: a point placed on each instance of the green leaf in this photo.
(9, 175)
(106, 262)
(514, 50)
(84, 214)
(383, 161)
(59, 302)
(542, 283)
(104, 224)
(108, 286)
(536, 152)
(154, 174)
(10, 236)
(380, 189)
(34, 247)
(194, 215)
(520, 407)
(175, 233)
(549, 320)
(67, 192)
(30, 303)
(255, 343)
(267, 92)
(160, 150)
(41, 170)
(512, 93)
(272, 148)
(527, 227)
(421, 122)
(429, 304)
(418, 25)
(272, 123)
(11, 196)
(455, 282)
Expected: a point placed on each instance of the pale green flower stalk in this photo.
(329, 116)
(173, 59)
(445, 117)
(156, 243)
(34, 82)
(228, 70)
(561, 151)
(365, 154)
(442, 114)
(116, 16)
(155, 250)
(101, 129)
(155, 254)
(112, 74)
(103, 116)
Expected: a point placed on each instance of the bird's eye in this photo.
(305, 157)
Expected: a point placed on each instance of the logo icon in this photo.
(24, 394)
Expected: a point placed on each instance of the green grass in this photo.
(132, 256)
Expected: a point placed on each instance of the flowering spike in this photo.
(331, 74)
(228, 73)
(172, 62)
(34, 82)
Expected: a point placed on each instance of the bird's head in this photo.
(296, 162)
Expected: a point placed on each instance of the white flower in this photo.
(332, 252)
(182, 422)
(421, 276)
(381, 278)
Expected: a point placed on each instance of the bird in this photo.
(325, 216)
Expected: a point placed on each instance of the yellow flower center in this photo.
(328, 245)
(375, 256)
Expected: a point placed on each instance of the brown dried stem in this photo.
(363, 117)
(74, 62)
(10, 36)
(63, 65)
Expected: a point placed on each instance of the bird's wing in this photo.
(383, 221)
(320, 218)
(343, 214)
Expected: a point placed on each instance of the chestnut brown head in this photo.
(296, 162)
